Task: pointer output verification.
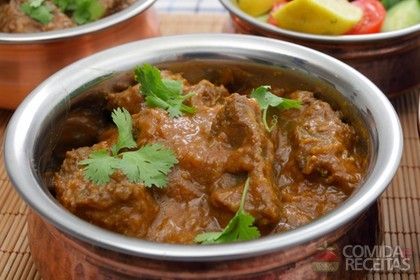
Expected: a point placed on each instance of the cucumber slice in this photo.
(402, 15)
(389, 3)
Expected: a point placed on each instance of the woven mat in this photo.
(400, 203)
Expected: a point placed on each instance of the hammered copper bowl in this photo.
(65, 247)
(28, 59)
(391, 60)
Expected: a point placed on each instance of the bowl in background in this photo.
(391, 59)
(60, 241)
(26, 59)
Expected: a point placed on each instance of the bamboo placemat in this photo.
(400, 203)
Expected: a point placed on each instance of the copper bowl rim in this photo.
(38, 110)
(39, 37)
(236, 11)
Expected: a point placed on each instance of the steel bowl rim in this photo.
(382, 36)
(106, 22)
(18, 145)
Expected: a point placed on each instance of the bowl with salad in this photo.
(39, 37)
(379, 38)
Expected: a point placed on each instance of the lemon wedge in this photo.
(255, 7)
(326, 17)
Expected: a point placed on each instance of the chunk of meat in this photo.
(206, 94)
(188, 136)
(238, 125)
(119, 205)
(113, 6)
(304, 202)
(323, 144)
(166, 74)
(180, 222)
(14, 20)
(130, 99)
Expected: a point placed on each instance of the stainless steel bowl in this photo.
(40, 109)
(390, 59)
(28, 59)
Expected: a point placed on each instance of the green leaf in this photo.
(173, 86)
(36, 3)
(266, 99)
(124, 123)
(390, 3)
(38, 11)
(87, 11)
(61, 4)
(208, 237)
(239, 228)
(162, 93)
(99, 167)
(148, 165)
(83, 11)
(259, 94)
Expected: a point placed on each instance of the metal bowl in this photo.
(390, 59)
(28, 59)
(28, 131)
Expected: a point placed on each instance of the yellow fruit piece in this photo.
(255, 7)
(326, 17)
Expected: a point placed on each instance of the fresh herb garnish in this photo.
(239, 228)
(87, 11)
(162, 93)
(37, 10)
(148, 165)
(266, 99)
(100, 166)
(124, 123)
(83, 11)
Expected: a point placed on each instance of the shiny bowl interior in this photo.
(231, 6)
(40, 110)
(134, 9)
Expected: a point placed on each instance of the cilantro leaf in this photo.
(148, 165)
(87, 10)
(266, 99)
(124, 123)
(162, 93)
(99, 167)
(62, 4)
(173, 86)
(38, 11)
(239, 228)
(83, 11)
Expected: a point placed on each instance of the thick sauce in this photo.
(302, 169)
(14, 20)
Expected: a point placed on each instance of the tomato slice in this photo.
(373, 17)
(277, 5)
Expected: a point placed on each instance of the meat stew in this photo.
(27, 16)
(309, 163)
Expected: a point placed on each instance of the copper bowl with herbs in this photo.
(38, 38)
(202, 157)
(380, 38)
